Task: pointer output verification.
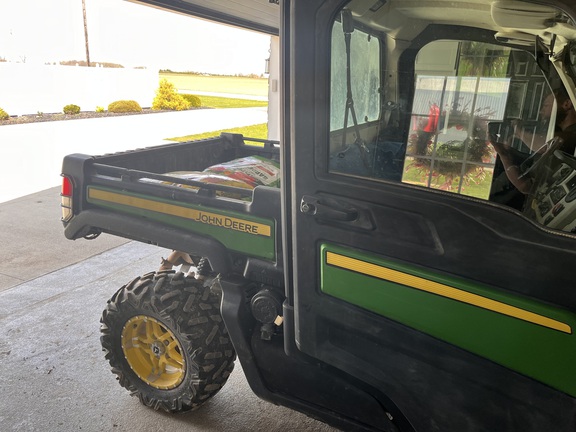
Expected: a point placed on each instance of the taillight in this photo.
(66, 198)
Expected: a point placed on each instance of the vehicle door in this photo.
(406, 274)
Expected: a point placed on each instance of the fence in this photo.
(29, 89)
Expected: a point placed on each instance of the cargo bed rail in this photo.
(121, 177)
(147, 170)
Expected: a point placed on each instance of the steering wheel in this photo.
(566, 158)
(552, 147)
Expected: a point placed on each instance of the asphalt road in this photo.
(52, 292)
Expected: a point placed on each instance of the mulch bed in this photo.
(46, 117)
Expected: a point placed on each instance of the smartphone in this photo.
(502, 130)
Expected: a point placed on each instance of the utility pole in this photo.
(86, 33)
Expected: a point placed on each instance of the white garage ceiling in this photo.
(259, 15)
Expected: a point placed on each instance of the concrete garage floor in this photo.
(53, 373)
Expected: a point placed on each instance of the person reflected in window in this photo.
(565, 130)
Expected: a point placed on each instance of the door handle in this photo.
(328, 208)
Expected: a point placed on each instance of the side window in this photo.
(364, 67)
(451, 112)
(355, 99)
(481, 121)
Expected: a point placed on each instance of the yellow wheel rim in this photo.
(153, 352)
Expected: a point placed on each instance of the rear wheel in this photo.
(166, 342)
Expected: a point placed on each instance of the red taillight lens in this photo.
(67, 187)
(66, 198)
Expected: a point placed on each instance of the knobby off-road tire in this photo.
(166, 342)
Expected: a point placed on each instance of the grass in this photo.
(219, 84)
(223, 84)
(221, 102)
(253, 131)
(473, 189)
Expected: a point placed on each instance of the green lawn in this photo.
(223, 84)
(476, 187)
(220, 102)
(218, 84)
(254, 131)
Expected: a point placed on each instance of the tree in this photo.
(482, 59)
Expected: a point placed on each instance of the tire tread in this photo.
(191, 312)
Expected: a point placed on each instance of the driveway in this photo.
(32, 153)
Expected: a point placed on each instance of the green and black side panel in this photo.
(434, 329)
(447, 319)
(236, 236)
(246, 234)
(526, 336)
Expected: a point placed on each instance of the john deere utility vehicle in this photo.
(399, 260)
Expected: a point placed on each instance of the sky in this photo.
(41, 31)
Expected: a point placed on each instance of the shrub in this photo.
(123, 106)
(193, 100)
(3, 115)
(71, 109)
(100, 109)
(167, 98)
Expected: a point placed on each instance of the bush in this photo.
(123, 106)
(71, 109)
(3, 115)
(193, 100)
(100, 109)
(167, 98)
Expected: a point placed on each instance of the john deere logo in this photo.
(232, 223)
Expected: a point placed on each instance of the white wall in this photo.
(29, 89)
(274, 90)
